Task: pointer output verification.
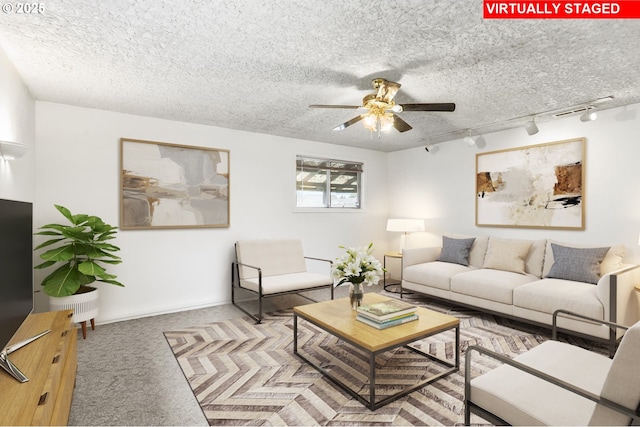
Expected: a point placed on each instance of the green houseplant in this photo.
(80, 249)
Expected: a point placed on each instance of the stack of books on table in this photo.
(387, 313)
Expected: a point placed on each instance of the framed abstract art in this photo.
(538, 186)
(172, 186)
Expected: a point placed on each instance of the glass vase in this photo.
(355, 295)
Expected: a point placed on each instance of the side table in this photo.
(396, 255)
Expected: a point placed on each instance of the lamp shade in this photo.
(405, 225)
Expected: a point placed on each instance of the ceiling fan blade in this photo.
(450, 106)
(400, 124)
(349, 123)
(386, 89)
(350, 107)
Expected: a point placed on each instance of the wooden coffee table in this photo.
(337, 318)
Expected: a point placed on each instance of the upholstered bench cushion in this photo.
(549, 295)
(522, 399)
(436, 274)
(493, 285)
(287, 282)
(274, 257)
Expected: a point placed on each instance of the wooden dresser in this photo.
(50, 363)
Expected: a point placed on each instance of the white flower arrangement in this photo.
(357, 265)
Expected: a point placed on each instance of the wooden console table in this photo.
(50, 362)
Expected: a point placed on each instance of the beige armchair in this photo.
(557, 383)
(269, 268)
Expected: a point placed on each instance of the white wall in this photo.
(440, 187)
(17, 124)
(78, 166)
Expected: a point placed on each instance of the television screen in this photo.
(16, 266)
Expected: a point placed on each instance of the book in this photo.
(387, 324)
(362, 313)
(385, 310)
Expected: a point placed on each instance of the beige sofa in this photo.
(518, 279)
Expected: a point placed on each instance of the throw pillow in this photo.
(478, 249)
(456, 250)
(507, 255)
(612, 261)
(577, 264)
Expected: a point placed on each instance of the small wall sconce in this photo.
(12, 150)
(404, 226)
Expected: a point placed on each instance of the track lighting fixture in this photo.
(430, 148)
(589, 115)
(469, 140)
(531, 127)
(587, 109)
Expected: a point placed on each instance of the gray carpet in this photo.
(246, 374)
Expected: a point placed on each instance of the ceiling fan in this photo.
(381, 109)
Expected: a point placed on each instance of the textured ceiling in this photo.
(256, 65)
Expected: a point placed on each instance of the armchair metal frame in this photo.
(487, 415)
(235, 273)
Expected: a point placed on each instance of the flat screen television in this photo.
(16, 277)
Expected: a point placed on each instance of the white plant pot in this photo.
(84, 305)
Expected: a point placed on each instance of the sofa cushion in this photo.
(493, 285)
(522, 399)
(436, 274)
(579, 264)
(549, 295)
(612, 261)
(456, 250)
(535, 258)
(287, 282)
(507, 255)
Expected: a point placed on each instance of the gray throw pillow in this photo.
(577, 264)
(456, 250)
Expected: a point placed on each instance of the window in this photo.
(325, 183)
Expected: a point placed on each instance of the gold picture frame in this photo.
(538, 186)
(165, 185)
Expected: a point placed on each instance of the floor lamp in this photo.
(404, 226)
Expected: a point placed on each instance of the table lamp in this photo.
(404, 226)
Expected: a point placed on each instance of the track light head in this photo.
(589, 115)
(531, 127)
(469, 141)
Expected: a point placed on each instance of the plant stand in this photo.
(84, 306)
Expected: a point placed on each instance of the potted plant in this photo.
(80, 249)
(357, 266)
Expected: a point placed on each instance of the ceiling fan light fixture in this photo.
(381, 109)
(376, 121)
(370, 122)
(386, 122)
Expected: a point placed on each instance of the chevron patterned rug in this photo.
(246, 374)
